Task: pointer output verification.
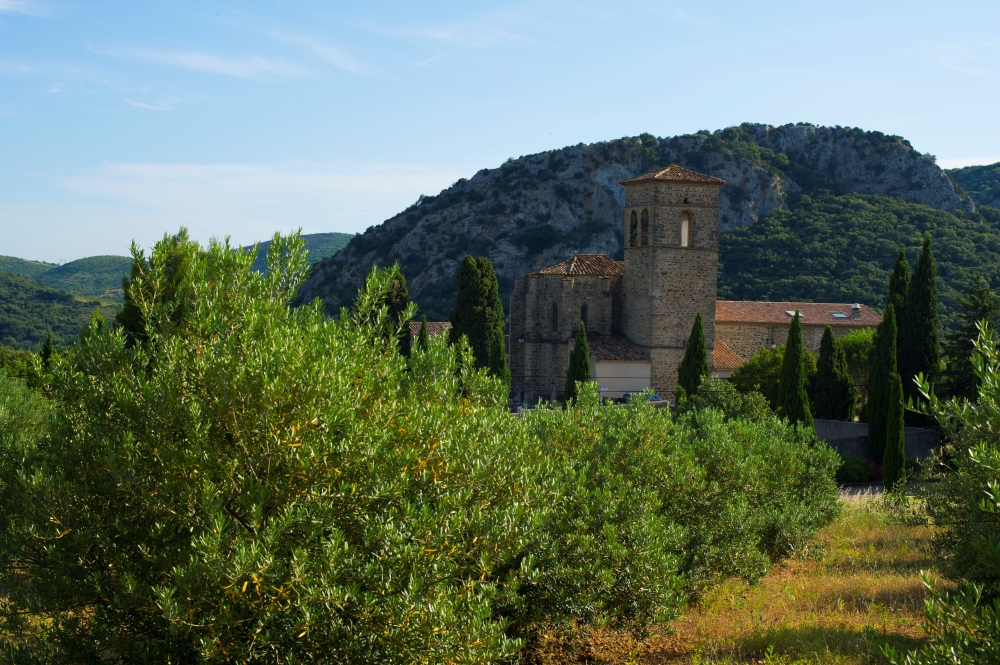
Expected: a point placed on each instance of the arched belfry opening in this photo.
(686, 219)
(633, 234)
(554, 318)
(645, 227)
(584, 316)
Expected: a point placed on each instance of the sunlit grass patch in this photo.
(858, 590)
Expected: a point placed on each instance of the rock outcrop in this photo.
(541, 208)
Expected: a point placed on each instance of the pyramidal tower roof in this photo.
(673, 173)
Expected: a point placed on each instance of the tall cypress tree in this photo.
(918, 328)
(48, 350)
(498, 357)
(834, 393)
(793, 402)
(422, 339)
(478, 312)
(693, 368)
(899, 284)
(978, 303)
(881, 369)
(579, 364)
(894, 458)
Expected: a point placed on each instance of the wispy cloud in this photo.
(23, 7)
(355, 195)
(147, 107)
(978, 60)
(459, 35)
(328, 53)
(246, 67)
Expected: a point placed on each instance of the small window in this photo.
(685, 228)
(633, 236)
(838, 315)
(584, 316)
(554, 318)
(645, 227)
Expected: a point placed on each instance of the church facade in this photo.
(638, 313)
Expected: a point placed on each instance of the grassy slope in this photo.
(860, 589)
(28, 310)
(842, 248)
(320, 246)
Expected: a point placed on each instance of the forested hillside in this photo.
(981, 182)
(539, 209)
(92, 277)
(842, 248)
(29, 310)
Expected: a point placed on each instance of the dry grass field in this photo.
(859, 589)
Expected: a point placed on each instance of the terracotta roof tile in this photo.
(594, 265)
(434, 328)
(615, 348)
(673, 173)
(811, 313)
(723, 358)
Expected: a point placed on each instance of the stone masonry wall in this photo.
(746, 339)
(540, 361)
(665, 284)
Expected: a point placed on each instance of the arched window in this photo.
(633, 234)
(645, 227)
(584, 316)
(554, 318)
(685, 228)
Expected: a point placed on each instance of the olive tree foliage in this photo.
(657, 511)
(251, 482)
(260, 483)
(965, 504)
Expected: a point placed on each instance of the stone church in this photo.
(638, 312)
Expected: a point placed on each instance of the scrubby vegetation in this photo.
(246, 481)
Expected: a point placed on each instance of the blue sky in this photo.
(125, 120)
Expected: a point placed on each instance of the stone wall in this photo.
(539, 363)
(746, 339)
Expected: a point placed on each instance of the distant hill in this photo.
(981, 182)
(806, 185)
(29, 310)
(320, 246)
(93, 277)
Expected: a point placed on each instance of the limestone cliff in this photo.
(541, 208)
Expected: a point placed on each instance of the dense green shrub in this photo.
(263, 483)
(858, 470)
(723, 396)
(762, 372)
(253, 482)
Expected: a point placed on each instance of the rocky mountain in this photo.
(539, 209)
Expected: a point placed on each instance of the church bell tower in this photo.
(671, 266)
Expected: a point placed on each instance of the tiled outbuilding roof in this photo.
(434, 328)
(810, 313)
(615, 348)
(724, 359)
(594, 265)
(673, 173)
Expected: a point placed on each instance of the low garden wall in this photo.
(852, 439)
